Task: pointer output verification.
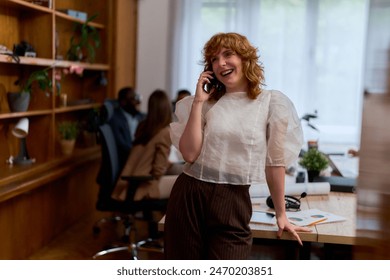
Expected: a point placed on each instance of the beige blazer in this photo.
(149, 159)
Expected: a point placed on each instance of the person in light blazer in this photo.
(150, 151)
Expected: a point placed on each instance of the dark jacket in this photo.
(121, 130)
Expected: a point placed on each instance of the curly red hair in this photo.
(253, 70)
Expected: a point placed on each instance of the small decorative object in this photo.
(19, 101)
(63, 99)
(60, 73)
(24, 49)
(76, 14)
(68, 133)
(58, 76)
(314, 162)
(83, 42)
(312, 144)
(45, 3)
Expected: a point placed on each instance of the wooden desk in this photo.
(339, 203)
(342, 204)
(269, 231)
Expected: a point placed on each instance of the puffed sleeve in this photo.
(284, 131)
(182, 113)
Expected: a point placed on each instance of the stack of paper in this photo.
(263, 218)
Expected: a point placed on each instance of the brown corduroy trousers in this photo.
(207, 221)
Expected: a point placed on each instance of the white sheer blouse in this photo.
(241, 136)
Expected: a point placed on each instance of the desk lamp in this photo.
(308, 117)
(312, 139)
(21, 131)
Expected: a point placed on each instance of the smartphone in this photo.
(214, 83)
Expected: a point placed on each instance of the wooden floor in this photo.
(81, 243)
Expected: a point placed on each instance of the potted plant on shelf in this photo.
(19, 101)
(68, 131)
(314, 161)
(83, 42)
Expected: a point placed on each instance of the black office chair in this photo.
(108, 172)
(129, 209)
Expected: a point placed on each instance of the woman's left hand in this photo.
(285, 225)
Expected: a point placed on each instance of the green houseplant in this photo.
(68, 131)
(314, 161)
(83, 42)
(19, 101)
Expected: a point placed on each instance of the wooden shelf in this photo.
(56, 191)
(70, 18)
(77, 107)
(25, 114)
(27, 60)
(20, 4)
(29, 22)
(18, 179)
(52, 63)
(86, 66)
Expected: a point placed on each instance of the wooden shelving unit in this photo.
(49, 31)
(51, 194)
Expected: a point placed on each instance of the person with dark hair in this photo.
(232, 134)
(182, 93)
(150, 152)
(125, 120)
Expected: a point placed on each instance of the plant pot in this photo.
(67, 146)
(311, 174)
(18, 101)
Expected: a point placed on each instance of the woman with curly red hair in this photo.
(233, 133)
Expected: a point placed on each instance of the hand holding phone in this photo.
(214, 83)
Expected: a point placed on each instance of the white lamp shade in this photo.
(21, 128)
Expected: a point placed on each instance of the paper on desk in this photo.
(263, 218)
(318, 188)
(312, 216)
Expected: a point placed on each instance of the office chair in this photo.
(129, 208)
(109, 171)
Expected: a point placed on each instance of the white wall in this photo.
(152, 49)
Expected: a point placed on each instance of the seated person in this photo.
(353, 152)
(125, 120)
(150, 151)
(180, 95)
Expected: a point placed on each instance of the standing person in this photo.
(125, 120)
(231, 135)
